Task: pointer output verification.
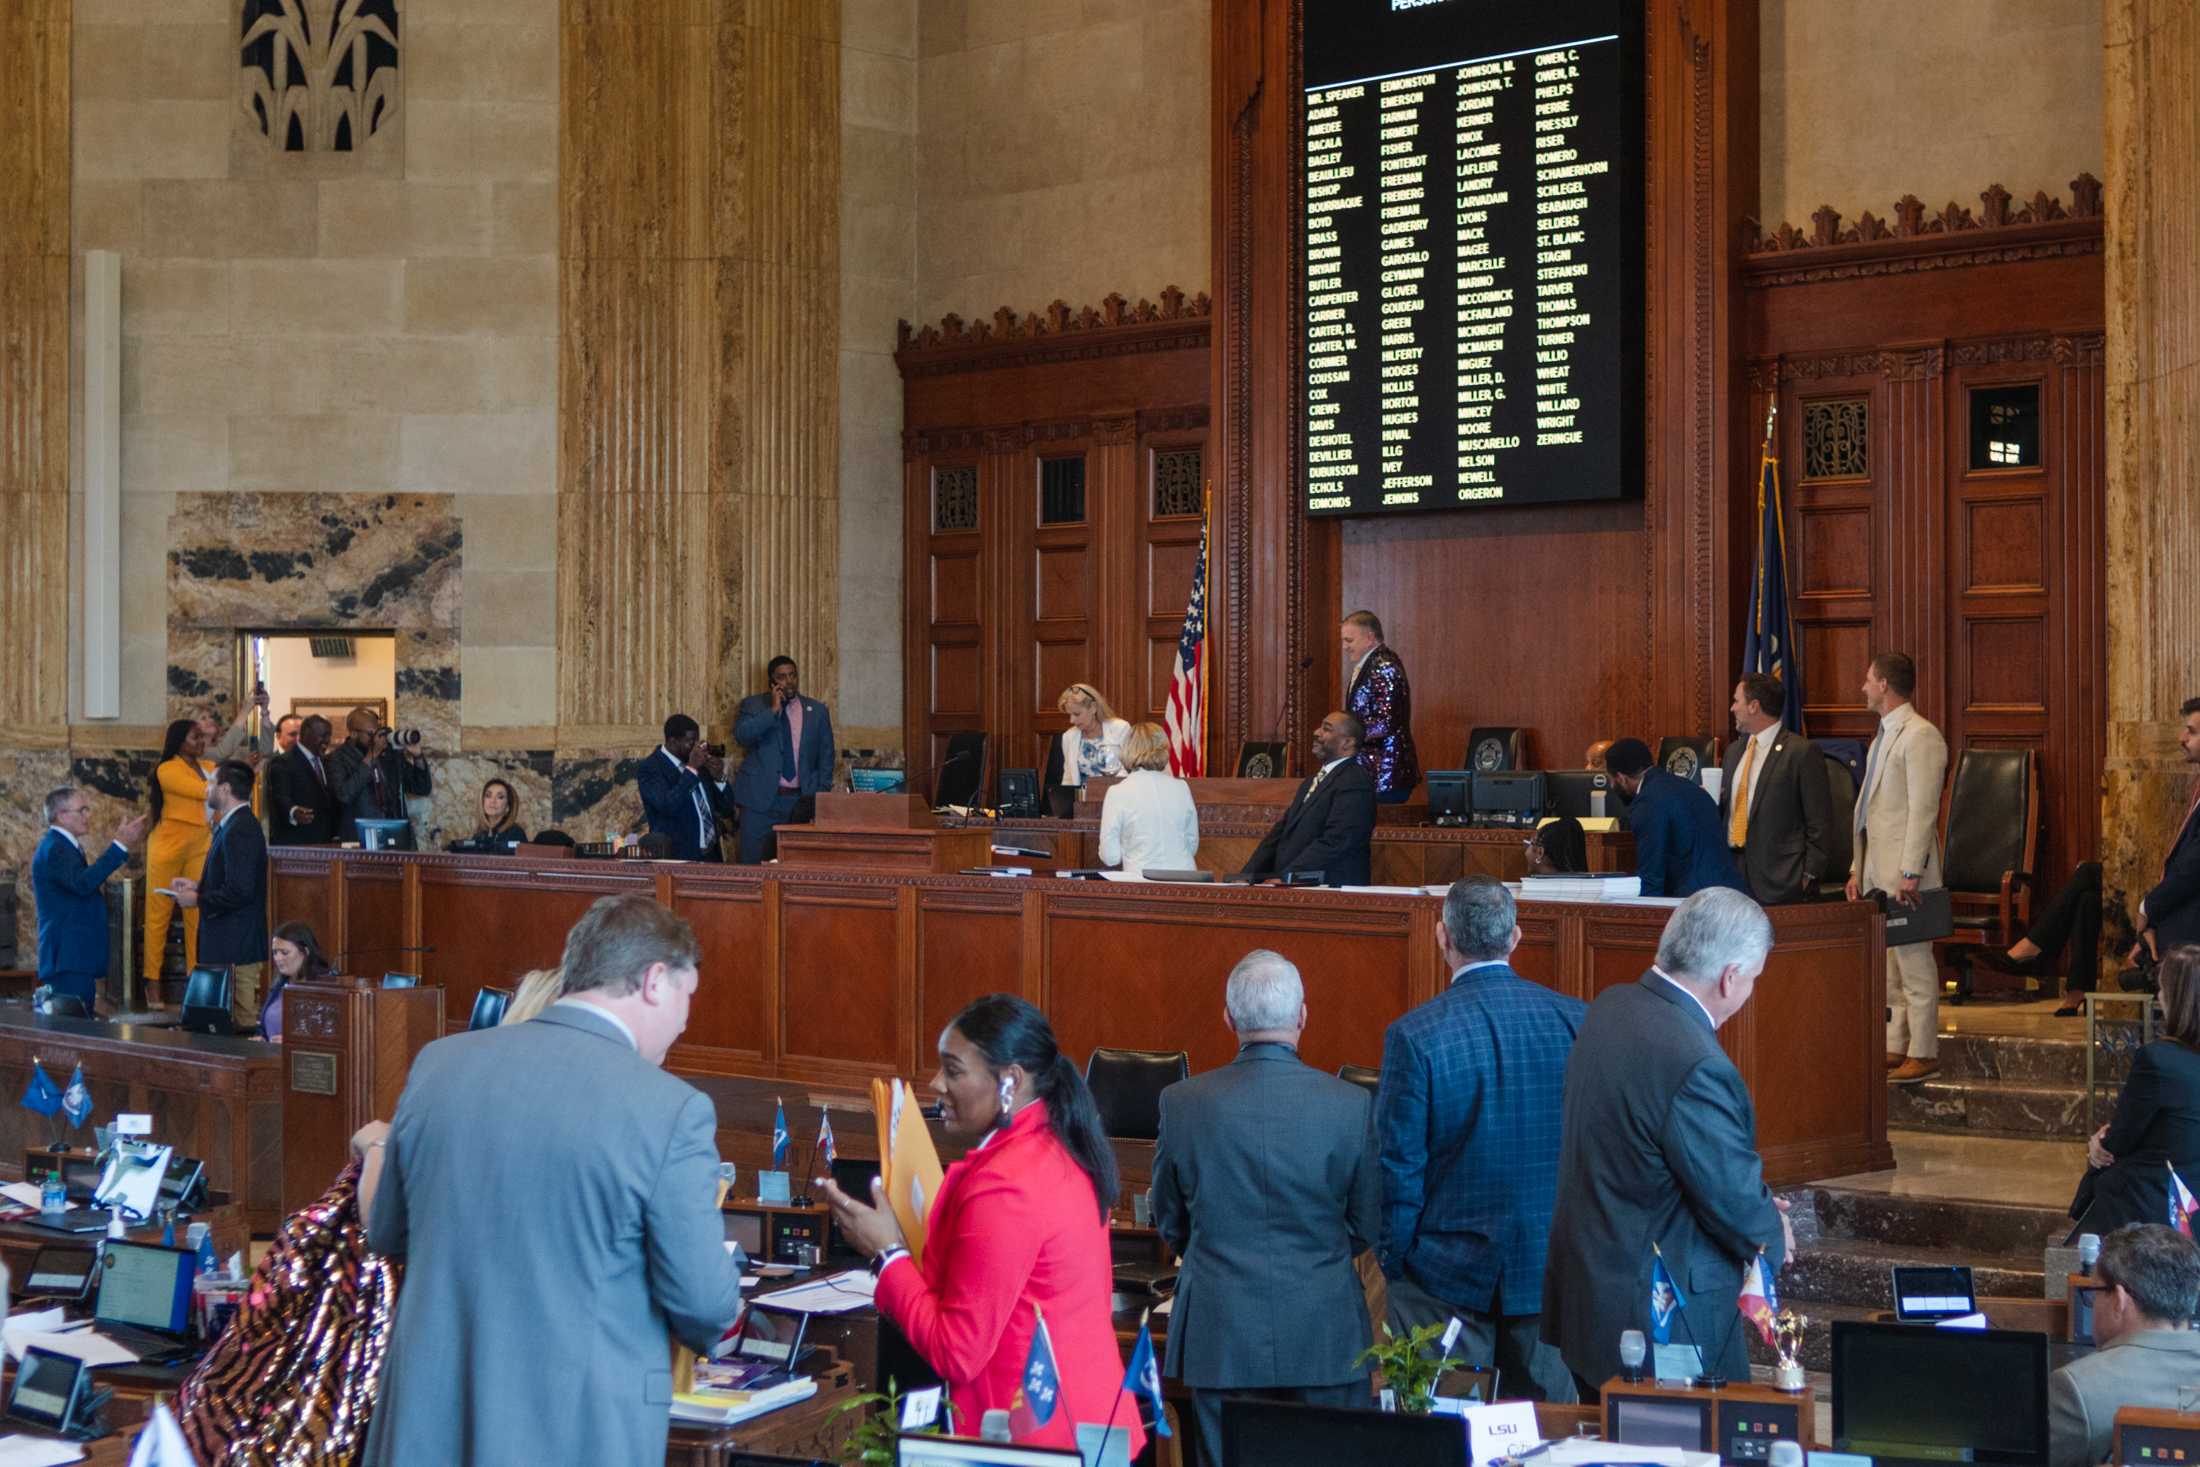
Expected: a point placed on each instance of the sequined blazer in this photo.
(1382, 699)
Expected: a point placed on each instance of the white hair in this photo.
(1713, 930)
(1264, 992)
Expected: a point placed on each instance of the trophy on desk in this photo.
(1788, 1374)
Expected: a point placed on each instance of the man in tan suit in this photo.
(1898, 852)
(2150, 1285)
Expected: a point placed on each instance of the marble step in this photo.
(1855, 1272)
(2009, 1234)
(2058, 1061)
(1959, 1103)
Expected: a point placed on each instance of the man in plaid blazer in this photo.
(1468, 1113)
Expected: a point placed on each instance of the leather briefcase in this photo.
(1931, 918)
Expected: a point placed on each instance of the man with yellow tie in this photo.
(1775, 799)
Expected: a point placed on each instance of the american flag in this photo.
(1186, 718)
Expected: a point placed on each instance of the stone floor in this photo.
(1975, 1169)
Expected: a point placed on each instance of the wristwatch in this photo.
(878, 1264)
(1913, 876)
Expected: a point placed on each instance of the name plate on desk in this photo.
(311, 1073)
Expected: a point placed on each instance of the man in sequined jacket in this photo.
(1378, 694)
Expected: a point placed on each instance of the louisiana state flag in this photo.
(1768, 636)
(1143, 1378)
(779, 1137)
(42, 1095)
(2181, 1203)
(1758, 1302)
(1665, 1301)
(1040, 1390)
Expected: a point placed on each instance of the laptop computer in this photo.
(144, 1301)
(61, 1271)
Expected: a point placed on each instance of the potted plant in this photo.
(1409, 1366)
(871, 1442)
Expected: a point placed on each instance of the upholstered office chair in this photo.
(489, 1007)
(1360, 1075)
(962, 770)
(1127, 1083)
(1989, 848)
(1841, 773)
(1686, 756)
(1492, 749)
(400, 980)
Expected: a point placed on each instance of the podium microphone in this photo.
(1632, 1348)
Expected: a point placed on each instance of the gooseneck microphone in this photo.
(1275, 735)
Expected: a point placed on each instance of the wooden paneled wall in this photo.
(2152, 105)
(1992, 578)
(34, 371)
(1003, 611)
(698, 512)
(1579, 621)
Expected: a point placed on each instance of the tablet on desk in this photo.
(1923, 1294)
(60, 1272)
(49, 1388)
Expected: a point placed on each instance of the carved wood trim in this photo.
(1913, 240)
(1114, 328)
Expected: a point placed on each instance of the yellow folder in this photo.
(909, 1164)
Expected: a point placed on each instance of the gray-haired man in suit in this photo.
(553, 1194)
(1265, 1180)
(2148, 1355)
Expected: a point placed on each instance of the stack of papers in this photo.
(843, 1293)
(1583, 887)
(723, 1408)
(35, 1451)
(47, 1329)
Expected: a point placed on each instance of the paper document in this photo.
(35, 1451)
(909, 1164)
(89, 1346)
(29, 1194)
(843, 1293)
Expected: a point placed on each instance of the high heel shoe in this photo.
(1999, 960)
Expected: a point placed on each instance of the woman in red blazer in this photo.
(1020, 1227)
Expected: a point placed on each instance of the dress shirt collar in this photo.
(602, 1013)
(1684, 988)
(233, 809)
(1765, 738)
(65, 835)
(1891, 721)
(676, 764)
(1370, 652)
(1501, 964)
(1268, 1049)
(1332, 764)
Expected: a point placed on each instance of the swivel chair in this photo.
(1126, 1085)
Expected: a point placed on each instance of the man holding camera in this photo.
(369, 778)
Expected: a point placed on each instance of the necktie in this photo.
(318, 773)
(1871, 772)
(703, 831)
(1737, 828)
(1316, 783)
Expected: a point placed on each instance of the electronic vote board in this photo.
(1471, 305)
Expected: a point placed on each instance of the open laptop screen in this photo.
(148, 1286)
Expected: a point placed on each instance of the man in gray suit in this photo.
(1659, 1146)
(1265, 1180)
(1775, 800)
(552, 1192)
(2148, 1355)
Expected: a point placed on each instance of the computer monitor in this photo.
(147, 1285)
(206, 1002)
(949, 1451)
(1574, 791)
(1905, 1394)
(385, 835)
(1258, 1433)
(1450, 794)
(1508, 797)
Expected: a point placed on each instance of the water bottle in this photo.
(53, 1196)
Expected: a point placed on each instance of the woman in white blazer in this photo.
(1092, 745)
(1148, 821)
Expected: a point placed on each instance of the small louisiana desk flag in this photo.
(1039, 1391)
(76, 1101)
(1143, 1378)
(779, 1137)
(1665, 1301)
(2181, 1203)
(1758, 1302)
(825, 1148)
(42, 1095)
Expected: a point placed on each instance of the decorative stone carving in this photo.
(319, 88)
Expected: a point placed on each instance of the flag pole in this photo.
(1206, 637)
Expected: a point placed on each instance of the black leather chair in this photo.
(1989, 851)
(1840, 823)
(1492, 749)
(1127, 1083)
(962, 769)
(489, 1007)
(1360, 1075)
(66, 1006)
(1687, 756)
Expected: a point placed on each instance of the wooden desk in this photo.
(812, 1428)
(832, 977)
(920, 850)
(214, 1098)
(20, 1242)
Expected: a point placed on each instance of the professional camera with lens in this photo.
(405, 738)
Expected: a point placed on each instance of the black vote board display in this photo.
(1471, 308)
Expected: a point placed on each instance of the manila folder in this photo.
(909, 1164)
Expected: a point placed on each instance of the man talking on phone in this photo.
(789, 739)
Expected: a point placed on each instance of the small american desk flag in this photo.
(1186, 716)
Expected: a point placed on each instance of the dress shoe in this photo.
(1894, 1061)
(1999, 960)
(1914, 1070)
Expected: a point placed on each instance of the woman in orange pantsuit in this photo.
(177, 846)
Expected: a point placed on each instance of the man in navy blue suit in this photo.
(789, 739)
(1468, 1112)
(1680, 842)
(65, 885)
(231, 892)
(683, 789)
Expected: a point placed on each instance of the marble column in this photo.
(2152, 107)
